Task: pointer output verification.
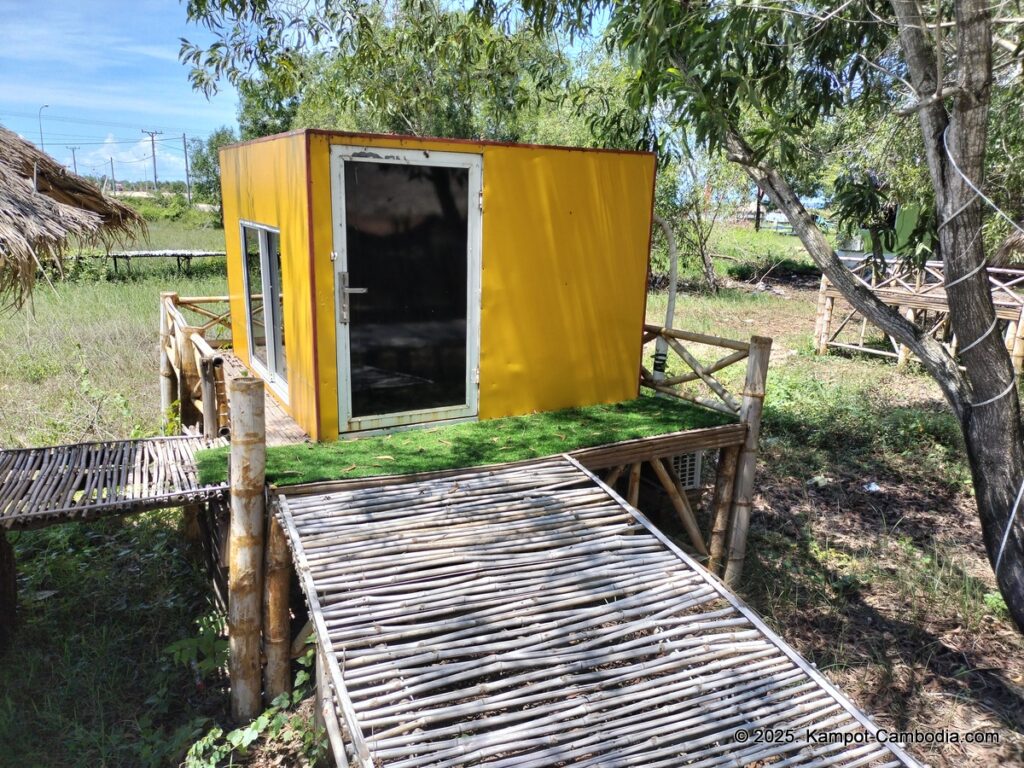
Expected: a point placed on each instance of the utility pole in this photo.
(74, 160)
(42, 146)
(152, 144)
(113, 181)
(188, 177)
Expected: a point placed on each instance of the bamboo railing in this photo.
(724, 547)
(920, 295)
(192, 331)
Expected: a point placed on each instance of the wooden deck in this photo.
(44, 486)
(281, 428)
(528, 616)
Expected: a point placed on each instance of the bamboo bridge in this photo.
(529, 616)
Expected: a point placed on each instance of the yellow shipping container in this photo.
(382, 281)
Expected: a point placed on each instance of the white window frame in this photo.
(469, 410)
(270, 309)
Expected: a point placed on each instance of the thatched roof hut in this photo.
(42, 208)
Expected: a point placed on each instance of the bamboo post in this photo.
(721, 501)
(1017, 355)
(826, 324)
(633, 491)
(208, 386)
(189, 386)
(750, 414)
(247, 525)
(682, 507)
(904, 355)
(276, 614)
(819, 314)
(8, 591)
(168, 381)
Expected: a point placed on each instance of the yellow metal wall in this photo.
(265, 182)
(565, 244)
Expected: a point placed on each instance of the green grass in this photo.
(166, 235)
(80, 362)
(88, 681)
(471, 444)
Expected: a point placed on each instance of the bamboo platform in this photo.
(920, 296)
(529, 616)
(57, 484)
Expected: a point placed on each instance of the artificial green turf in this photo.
(471, 444)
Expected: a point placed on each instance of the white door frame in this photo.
(339, 255)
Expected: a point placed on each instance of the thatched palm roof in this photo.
(42, 207)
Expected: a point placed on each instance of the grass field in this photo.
(865, 551)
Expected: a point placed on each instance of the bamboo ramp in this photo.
(528, 616)
(45, 486)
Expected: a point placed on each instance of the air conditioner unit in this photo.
(687, 467)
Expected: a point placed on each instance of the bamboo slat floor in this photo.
(528, 616)
(44, 486)
(281, 428)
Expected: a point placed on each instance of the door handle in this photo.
(344, 291)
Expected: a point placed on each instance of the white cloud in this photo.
(161, 52)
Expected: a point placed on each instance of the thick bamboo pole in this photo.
(750, 414)
(168, 379)
(276, 613)
(247, 525)
(208, 386)
(721, 503)
(8, 591)
(188, 388)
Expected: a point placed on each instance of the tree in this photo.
(754, 79)
(205, 158)
(266, 107)
(710, 190)
(798, 65)
(432, 72)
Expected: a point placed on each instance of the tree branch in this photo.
(931, 353)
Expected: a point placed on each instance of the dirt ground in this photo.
(881, 588)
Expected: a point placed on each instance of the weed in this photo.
(278, 728)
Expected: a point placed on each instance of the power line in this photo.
(83, 121)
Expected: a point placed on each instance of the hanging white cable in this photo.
(1002, 394)
(977, 341)
(1006, 532)
(974, 186)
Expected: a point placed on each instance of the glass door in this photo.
(406, 235)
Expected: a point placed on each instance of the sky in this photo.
(107, 70)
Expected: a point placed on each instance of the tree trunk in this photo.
(757, 210)
(991, 417)
(709, 268)
(984, 398)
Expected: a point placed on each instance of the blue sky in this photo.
(107, 70)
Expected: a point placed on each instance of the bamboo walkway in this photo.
(528, 616)
(44, 486)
